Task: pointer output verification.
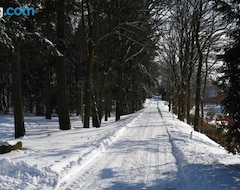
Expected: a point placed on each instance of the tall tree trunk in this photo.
(97, 91)
(204, 87)
(89, 33)
(118, 107)
(198, 96)
(88, 86)
(48, 105)
(63, 107)
(188, 101)
(179, 99)
(118, 110)
(106, 108)
(199, 70)
(17, 94)
(183, 103)
(96, 108)
(48, 94)
(107, 103)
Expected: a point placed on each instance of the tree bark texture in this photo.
(17, 94)
(63, 107)
(199, 69)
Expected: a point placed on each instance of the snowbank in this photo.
(203, 164)
(49, 154)
(50, 157)
(22, 175)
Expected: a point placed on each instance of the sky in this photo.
(150, 149)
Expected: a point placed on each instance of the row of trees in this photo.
(199, 32)
(81, 57)
(188, 54)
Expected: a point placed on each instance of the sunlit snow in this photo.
(150, 149)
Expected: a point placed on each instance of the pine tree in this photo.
(232, 94)
(230, 80)
(12, 30)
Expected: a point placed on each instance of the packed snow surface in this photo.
(149, 149)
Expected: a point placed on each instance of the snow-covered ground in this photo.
(149, 150)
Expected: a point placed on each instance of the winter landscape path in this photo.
(148, 150)
(141, 158)
(154, 153)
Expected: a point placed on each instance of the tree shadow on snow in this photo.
(125, 186)
(214, 177)
(189, 177)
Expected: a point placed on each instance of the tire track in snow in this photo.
(152, 158)
(121, 162)
(91, 169)
(139, 159)
(96, 156)
(183, 182)
(175, 153)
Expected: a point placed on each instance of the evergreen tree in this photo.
(230, 80)
(11, 34)
(232, 94)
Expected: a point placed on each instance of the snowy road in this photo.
(141, 158)
(148, 150)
